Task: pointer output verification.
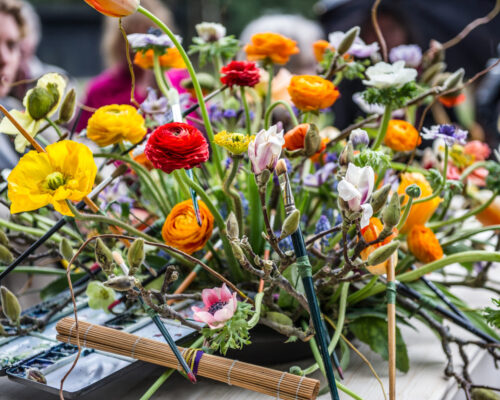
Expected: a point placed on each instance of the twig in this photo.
(378, 31)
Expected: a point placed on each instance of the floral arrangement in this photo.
(370, 209)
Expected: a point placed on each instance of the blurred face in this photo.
(10, 53)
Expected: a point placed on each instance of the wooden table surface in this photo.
(424, 381)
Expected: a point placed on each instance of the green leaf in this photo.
(57, 286)
(373, 331)
(254, 215)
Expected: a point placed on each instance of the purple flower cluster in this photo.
(449, 133)
(411, 54)
(322, 225)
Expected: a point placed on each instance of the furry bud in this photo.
(135, 256)
(68, 107)
(382, 253)
(4, 239)
(10, 305)
(232, 229)
(65, 249)
(290, 224)
(312, 141)
(392, 212)
(104, 257)
(379, 198)
(6, 256)
(349, 38)
(121, 283)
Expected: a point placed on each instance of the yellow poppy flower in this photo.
(65, 172)
(54, 86)
(236, 143)
(116, 123)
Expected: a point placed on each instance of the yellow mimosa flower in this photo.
(236, 143)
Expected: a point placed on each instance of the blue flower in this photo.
(449, 133)
(286, 243)
(322, 225)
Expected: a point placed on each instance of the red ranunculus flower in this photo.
(241, 73)
(176, 145)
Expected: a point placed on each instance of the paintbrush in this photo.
(156, 319)
(63, 221)
(304, 269)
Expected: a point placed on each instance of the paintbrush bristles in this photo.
(281, 167)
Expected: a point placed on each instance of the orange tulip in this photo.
(272, 46)
(114, 8)
(421, 212)
(423, 244)
(401, 136)
(311, 92)
(181, 230)
(370, 233)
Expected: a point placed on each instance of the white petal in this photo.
(353, 174)
(347, 191)
(366, 214)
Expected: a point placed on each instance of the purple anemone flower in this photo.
(449, 133)
(411, 54)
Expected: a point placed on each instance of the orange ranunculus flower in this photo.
(419, 213)
(143, 160)
(273, 46)
(317, 158)
(491, 214)
(294, 138)
(424, 244)
(452, 101)
(114, 8)
(181, 230)
(311, 92)
(319, 48)
(370, 233)
(401, 136)
(171, 59)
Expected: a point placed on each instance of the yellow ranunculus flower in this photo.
(116, 123)
(52, 82)
(236, 143)
(65, 172)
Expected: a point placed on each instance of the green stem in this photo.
(471, 213)
(257, 109)
(403, 218)
(247, 110)
(27, 229)
(437, 192)
(159, 75)
(37, 270)
(338, 78)
(383, 127)
(409, 168)
(468, 233)
(356, 295)
(53, 125)
(231, 192)
(270, 71)
(196, 85)
(471, 168)
(182, 185)
(233, 263)
(269, 111)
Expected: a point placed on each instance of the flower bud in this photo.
(262, 179)
(115, 8)
(232, 228)
(104, 257)
(454, 79)
(413, 191)
(379, 198)
(347, 155)
(296, 370)
(348, 39)
(312, 141)
(290, 224)
(484, 394)
(359, 138)
(207, 83)
(382, 253)
(68, 107)
(429, 74)
(4, 239)
(238, 252)
(392, 212)
(279, 318)
(34, 374)
(6, 256)
(121, 283)
(65, 249)
(40, 102)
(135, 256)
(10, 305)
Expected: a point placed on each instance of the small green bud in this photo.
(34, 374)
(262, 179)
(347, 155)
(429, 74)
(121, 283)
(65, 249)
(4, 239)
(232, 229)
(379, 198)
(6, 256)
(238, 251)
(312, 141)
(382, 253)
(349, 38)
(279, 318)
(392, 212)
(296, 370)
(54, 180)
(68, 107)
(290, 224)
(135, 255)
(40, 102)
(10, 305)
(413, 191)
(104, 257)
(484, 394)
(454, 79)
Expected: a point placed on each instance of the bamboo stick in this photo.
(259, 379)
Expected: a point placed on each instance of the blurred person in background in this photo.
(113, 86)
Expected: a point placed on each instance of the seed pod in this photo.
(121, 283)
(232, 229)
(6, 256)
(413, 191)
(104, 257)
(290, 224)
(40, 102)
(454, 79)
(34, 374)
(4, 239)
(484, 394)
(66, 250)
(348, 39)
(382, 253)
(379, 198)
(68, 107)
(312, 141)
(135, 256)
(392, 212)
(347, 155)
(10, 305)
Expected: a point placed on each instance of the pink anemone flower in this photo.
(220, 306)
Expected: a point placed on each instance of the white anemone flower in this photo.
(383, 75)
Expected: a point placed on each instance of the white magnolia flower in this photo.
(265, 150)
(210, 31)
(383, 75)
(356, 189)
